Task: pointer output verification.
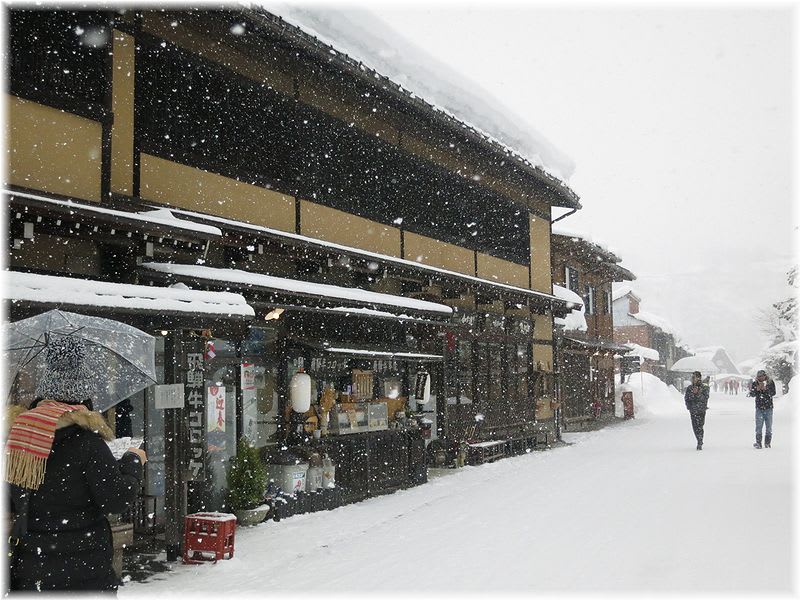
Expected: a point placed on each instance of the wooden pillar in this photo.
(175, 487)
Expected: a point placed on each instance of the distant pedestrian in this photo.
(726, 387)
(736, 387)
(762, 388)
(696, 398)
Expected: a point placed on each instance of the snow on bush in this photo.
(651, 396)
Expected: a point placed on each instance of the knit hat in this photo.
(67, 377)
(761, 372)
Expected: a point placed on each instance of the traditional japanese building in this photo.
(585, 270)
(263, 203)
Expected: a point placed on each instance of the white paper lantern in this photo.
(300, 392)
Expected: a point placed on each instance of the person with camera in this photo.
(762, 388)
(696, 399)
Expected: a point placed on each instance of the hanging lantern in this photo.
(300, 391)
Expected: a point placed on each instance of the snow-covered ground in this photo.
(633, 507)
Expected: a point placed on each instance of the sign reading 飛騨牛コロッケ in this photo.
(195, 415)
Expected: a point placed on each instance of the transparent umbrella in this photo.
(120, 359)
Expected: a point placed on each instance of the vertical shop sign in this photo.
(215, 419)
(249, 402)
(196, 454)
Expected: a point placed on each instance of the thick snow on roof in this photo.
(365, 38)
(618, 290)
(714, 351)
(575, 319)
(559, 230)
(655, 321)
(643, 352)
(295, 285)
(708, 350)
(50, 289)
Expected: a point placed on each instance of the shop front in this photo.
(587, 380)
(374, 393)
(494, 386)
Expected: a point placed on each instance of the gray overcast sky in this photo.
(680, 122)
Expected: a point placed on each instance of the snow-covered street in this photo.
(632, 507)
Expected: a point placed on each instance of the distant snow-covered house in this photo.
(720, 357)
(635, 326)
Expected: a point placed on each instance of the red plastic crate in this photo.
(208, 533)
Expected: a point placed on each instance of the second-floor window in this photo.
(571, 278)
(589, 300)
(609, 302)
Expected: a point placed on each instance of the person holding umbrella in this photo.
(696, 399)
(762, 388)
(63, 480)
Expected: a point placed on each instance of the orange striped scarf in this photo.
(30, 441)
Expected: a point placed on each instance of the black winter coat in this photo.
(696, 397)
(763, 397)
(68, 545)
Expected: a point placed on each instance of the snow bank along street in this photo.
(631, 507)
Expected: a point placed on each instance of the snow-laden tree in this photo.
(780, 323)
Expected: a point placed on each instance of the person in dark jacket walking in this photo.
(63, 480)
(696, 399)
(762, 388)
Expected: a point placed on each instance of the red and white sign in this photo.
(216, 408)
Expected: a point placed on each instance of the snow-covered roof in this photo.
(564, 232)
(322, 290)
(379, 48)
(618, 290)
(575, 320)
(328, 246)
(655, 321)
(708, 350)
(719, 355)
(159, 216)
(643, 352)
(51, 289)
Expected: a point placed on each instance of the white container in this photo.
(290, 478)
(300, 392)
(314, 480)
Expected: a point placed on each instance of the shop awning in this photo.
(598, 344)
(53, 290)
(304, 289)
(158, 222)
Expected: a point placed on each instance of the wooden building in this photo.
(262, 203)
(586, 356)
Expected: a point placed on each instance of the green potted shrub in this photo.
(247, 481)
